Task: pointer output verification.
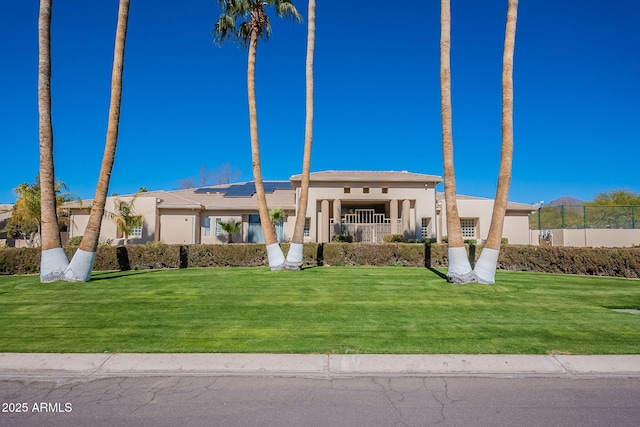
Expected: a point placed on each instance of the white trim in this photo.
(294, 256)
(486, 266)
(80, 267)
(459, 271)
(53, 263)
(275, 256)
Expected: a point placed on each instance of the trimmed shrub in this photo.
(393, 238)
(616, 262)
(345, 238)
(374, 254)
(20, 260)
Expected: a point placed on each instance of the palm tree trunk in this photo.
(274, 252)
(294, 256)
(53, 260)
(82, 262)
(487, 263)
(459, 270)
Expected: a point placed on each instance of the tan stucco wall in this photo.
(516, 223)
(179, 226)
(609, 238)
(225, 217)
(516, 229)
(145, 206)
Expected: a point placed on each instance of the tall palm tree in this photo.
(80, 267)
(294, 256)
(487, 263)
(54, 260)
(459, 270)
(255, 24)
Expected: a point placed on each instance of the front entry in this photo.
(365, 225)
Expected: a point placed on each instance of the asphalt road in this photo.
(289, 401)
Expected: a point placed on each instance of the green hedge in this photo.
(617, 262)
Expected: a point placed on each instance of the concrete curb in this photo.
(28, 365)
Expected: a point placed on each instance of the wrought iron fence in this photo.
(585, 216)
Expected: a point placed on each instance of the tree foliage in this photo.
(239, 18)
(230, 228)
(125, 217)
(25, 221)
(617, 197)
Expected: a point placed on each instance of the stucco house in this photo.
(364, 204)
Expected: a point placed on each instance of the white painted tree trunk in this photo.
(275, 256)
(52, 265)
(80, 267)
(294, 256)
(487, 265)
(459, 271)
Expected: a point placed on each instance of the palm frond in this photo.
(286, 9)
(225, 28)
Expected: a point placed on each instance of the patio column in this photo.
(324, 209)
(337, 216)
(393, 216)
(406, 208)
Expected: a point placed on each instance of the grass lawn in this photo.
(319, 310)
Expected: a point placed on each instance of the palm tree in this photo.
(26, 219)
(294, 256)
(230, 228)
(255, 24)
(459, 270)
(487, 263)
(79, 269)
(54, 260)
(125, 217)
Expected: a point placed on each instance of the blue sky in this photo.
(577, 94)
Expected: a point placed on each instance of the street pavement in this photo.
(80, 365)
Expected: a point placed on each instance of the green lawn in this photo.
(319, 310)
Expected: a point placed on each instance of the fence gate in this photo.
(365, 225)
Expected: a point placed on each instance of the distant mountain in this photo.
(566, 200)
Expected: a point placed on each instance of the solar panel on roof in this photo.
(209, 190)
(241, 190)
(248, 189)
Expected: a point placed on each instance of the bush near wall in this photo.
(616, 262)
(620, 262)
(399, 254)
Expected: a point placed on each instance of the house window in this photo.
(468, 228)
(365, 190)
(207, 226)
(218, 227)
(307, 226)
(424, 229)
(136, 232)
(347, 190)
